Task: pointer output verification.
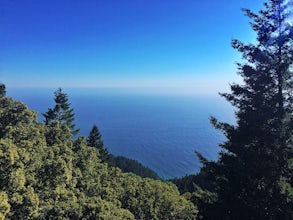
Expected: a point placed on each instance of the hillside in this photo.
(46, 174)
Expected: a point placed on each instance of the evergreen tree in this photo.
(61, 112)
(253, 175)
(2, 90)
(95, 140)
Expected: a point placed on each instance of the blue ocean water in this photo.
(160, 131)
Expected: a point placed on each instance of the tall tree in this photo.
(2, 90)
(253, 175)
(95, 140)
(61, 112)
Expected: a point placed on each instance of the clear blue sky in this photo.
(176, 45)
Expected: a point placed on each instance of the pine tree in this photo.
(95, 140)
(61, 112)
(2, 90)
(253, 175)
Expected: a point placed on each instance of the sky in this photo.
(181, 46)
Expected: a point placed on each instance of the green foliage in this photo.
(61, 112)
(133, 166)
(203, 199)
(153, 199)
(197, 189)
(45, 174)
(253, 176)
(95, 140)
(14, 114)
(190, 183)
(4, 205)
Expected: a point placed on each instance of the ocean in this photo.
(160, 131)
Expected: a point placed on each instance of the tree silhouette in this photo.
(61, 112)
(253, 175)
(2, 90)
(95, 140)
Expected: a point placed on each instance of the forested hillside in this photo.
(133, 166)
(46, 174)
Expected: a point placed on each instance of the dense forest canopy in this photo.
(46, 174)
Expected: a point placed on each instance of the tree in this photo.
(253, 174)
(61, 112)
(95, 140)
(2, 90)
(14, 114)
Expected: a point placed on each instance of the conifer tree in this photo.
(95, 140)
(61, 112)
(2, 90)
(253, 175)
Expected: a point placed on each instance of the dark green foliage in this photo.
(95, 140)
(133, 166)
(2, 90)
(197, 189)
(203, 199)
(190, 183)
(61, 112)
(253, 176)
(45, 174)
(186, 183)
